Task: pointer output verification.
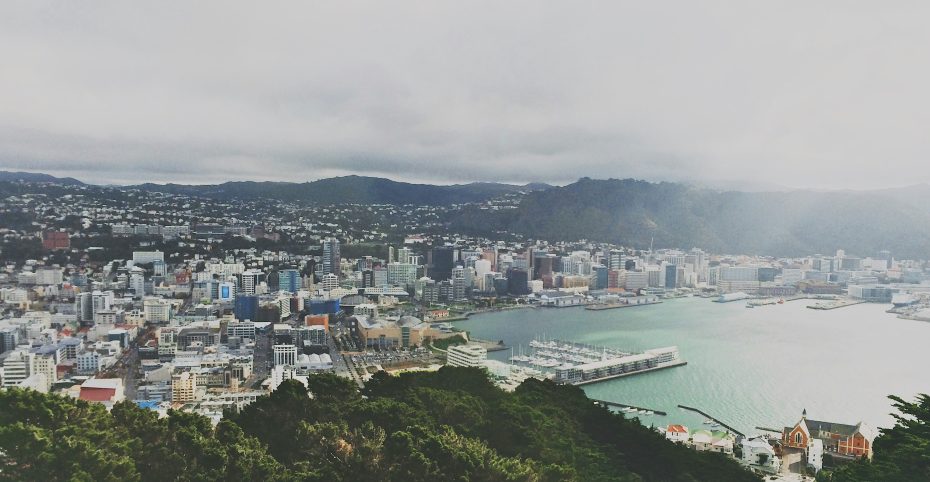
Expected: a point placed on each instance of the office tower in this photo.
(390, 254)
(137, 281)
(600, 277)
(671, 276)
(441, 262)
(246, 307)
(250, 279)
(85, 308)
(517, 282)
(403, 255)
(332, 259)
(289, 280)
(458, 283)
(368, 278)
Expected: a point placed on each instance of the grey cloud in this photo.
(823, 95)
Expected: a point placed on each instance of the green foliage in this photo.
(445, 343)
(453, 424)
(902, 453)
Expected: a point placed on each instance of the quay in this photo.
(832, 305)
(623, 405)
(626, 374)
(709, 417)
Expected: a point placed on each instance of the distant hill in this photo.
(632, 212)
(348, 190)
(11, 176)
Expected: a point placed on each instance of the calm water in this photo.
(747, 367)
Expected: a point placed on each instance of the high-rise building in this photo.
(441, 262)
(9, 338)
(671, 276)
(600, 277)
(246, 307)
(289, 280)
(250, 280)
(332, 259)
(137, 281)
(402, 274)
(458, 284)
(517, 282)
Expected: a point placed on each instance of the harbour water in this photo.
(747, 367)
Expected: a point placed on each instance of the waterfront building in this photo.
(758, 454)
(872, 293)
(618, 366)
(838, 438)
(677, 433)
(466, 355)
(713, 441)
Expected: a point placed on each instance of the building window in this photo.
(797, 438)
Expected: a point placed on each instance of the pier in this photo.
(610, 306)
(623, 405)
(832, 305)
(709, 417)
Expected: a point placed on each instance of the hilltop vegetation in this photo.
(637, 213)
(450, 425)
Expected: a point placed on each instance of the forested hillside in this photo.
(450, 425)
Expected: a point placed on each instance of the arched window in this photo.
(797, 438)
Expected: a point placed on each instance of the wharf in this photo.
(623, 405)
(610, 306)
(832, 305)
(637, 372)
(709, 417)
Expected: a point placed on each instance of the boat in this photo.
(709, 422)
(648, 412)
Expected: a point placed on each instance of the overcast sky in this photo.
(797, 94)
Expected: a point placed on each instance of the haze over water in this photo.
(746, 367)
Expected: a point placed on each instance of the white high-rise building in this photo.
(285, 354)
(137, 281)
(250, 280)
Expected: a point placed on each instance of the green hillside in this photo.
(450, 425)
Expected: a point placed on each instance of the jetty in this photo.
(623, 405)
(710, 417)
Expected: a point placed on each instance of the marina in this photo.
(736, 365)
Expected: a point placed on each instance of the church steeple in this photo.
(804, 414)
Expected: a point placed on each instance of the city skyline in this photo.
(798, 96)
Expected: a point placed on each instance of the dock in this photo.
(835, 304)
(623, 405)
(626, 374)
(709, 417)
